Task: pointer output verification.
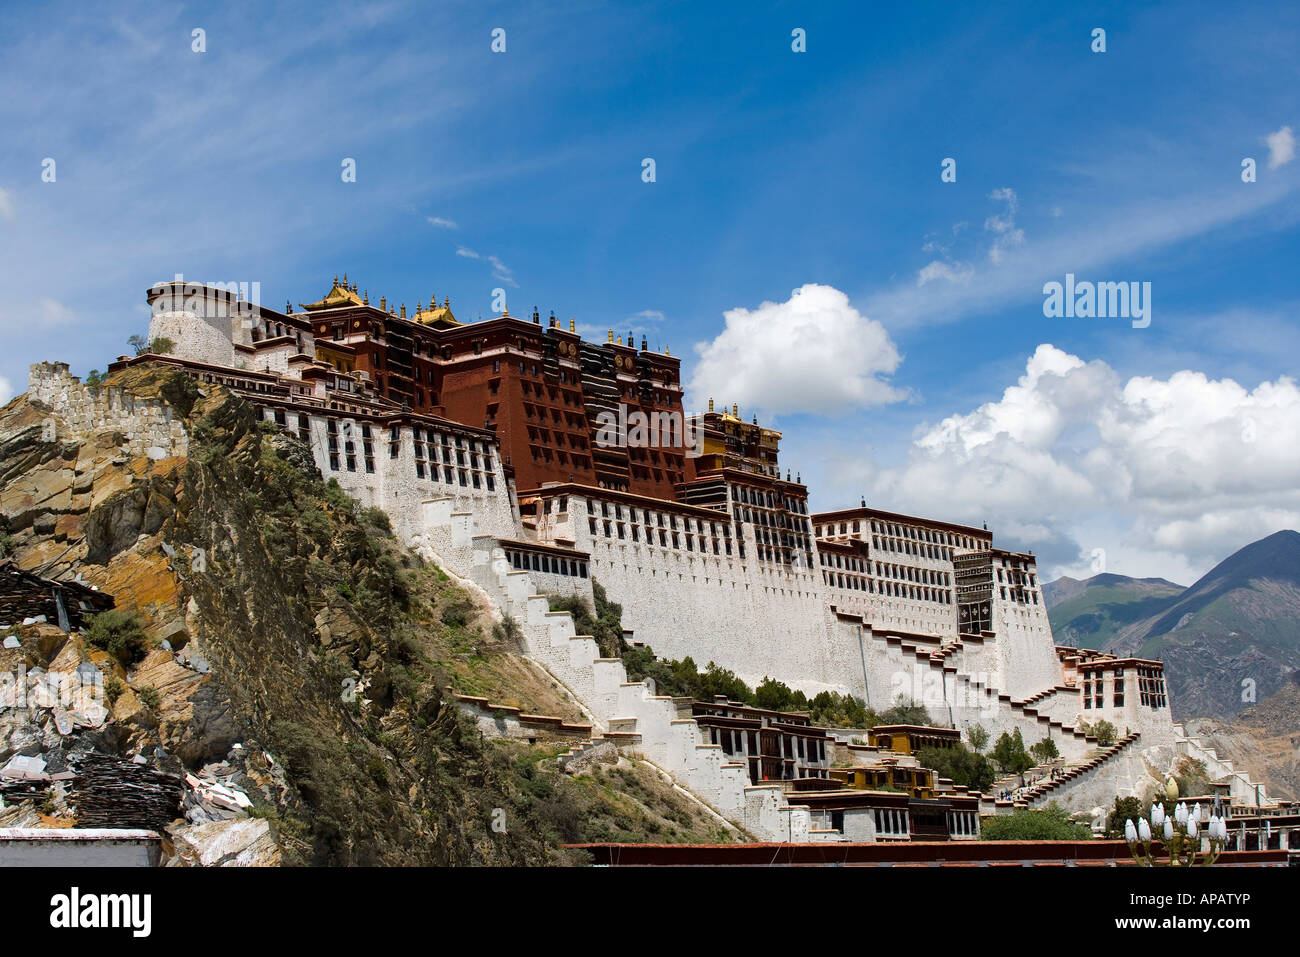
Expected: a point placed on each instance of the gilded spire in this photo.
(611, 335)
(572, 326)
(710, 403)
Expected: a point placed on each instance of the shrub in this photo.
(457, 610)
(377, 518)
(1193, 778)
(113, 690)
(1102, 730)
(149, 695)
(1052, 823)
(978, 737)
(905, 712)
(120, 633)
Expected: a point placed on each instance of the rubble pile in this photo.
(110, 792)
(214, 796)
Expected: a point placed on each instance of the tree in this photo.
(776, 696)
(978, 737)
(1045, 751)
(162, 346)
(92, 377)
(959, 764)
(1010, 754)
(1126, 809)
(1102, 730)
(139, 343)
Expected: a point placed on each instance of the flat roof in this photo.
(868, 512)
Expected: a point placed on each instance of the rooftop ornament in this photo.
(1180, 836)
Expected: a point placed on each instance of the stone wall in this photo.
(148, 425)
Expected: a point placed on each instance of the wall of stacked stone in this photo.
(195, 337)
(148, 425)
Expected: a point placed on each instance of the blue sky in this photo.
(1163, 449)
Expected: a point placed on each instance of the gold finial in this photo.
(667, 351)
(383, 303)
(446, 302)
(403, 310)
(419, 307)
(365, 298)
(710, 404)
(336, 279)
(572, 327)
(345, 280)
(735, 409)
(611, 335)
(354, 285)
(620, 340)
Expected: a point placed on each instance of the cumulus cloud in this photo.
(1281, 147)
(441, 223)
(812, 353)
(6, 390)
(1189, 465)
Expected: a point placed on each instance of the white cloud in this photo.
(6, 390)
(1004, 226)
(441, 223)
(499, 269)
(812, 353)
(1105, 235)
(1191, 466)
(6, 205)
(952, 272)
(1281, 147)
(54, 313)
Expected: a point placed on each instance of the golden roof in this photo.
(339, 295)
(437, 315)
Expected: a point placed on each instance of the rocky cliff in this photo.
(289, 641)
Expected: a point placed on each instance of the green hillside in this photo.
(1091, 613)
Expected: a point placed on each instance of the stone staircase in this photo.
(625, 712)
(1034, 725)
(1241, 788)
(1042, 791)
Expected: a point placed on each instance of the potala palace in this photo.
(489, 445)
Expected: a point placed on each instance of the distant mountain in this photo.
(1232, 638)
(1264, 740)
(1093, 612)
